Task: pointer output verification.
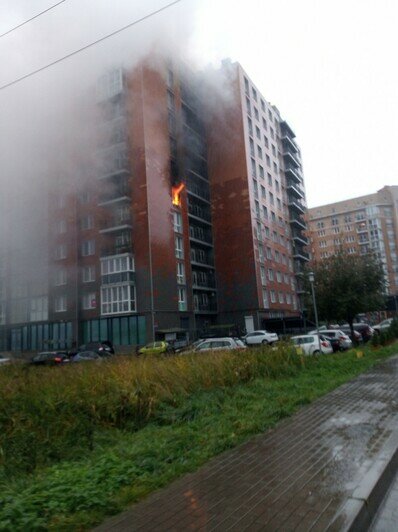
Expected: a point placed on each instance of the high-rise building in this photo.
(187, 216)
(359, 225)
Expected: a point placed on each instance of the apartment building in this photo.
(258, 199)
(187, 215)
(359, 225)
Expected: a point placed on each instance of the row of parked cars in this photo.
(85, 353)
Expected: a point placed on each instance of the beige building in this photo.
(359, 225)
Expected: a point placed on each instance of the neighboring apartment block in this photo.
(189, 215)
(359, 225)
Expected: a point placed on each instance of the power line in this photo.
(75, 52)
(30, 19)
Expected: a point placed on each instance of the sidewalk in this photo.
(317, 470)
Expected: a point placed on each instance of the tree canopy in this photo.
(347, 285)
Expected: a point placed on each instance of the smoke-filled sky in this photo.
(329, 66)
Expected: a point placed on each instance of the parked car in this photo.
(4, 360)
(156, 348)
(344, 340)
(101, 348)
(49, 358)
(334, 342)
(308, 344)
(383, 325)
(356, 338)
(86, 356)
(214, 344)
(260, 337)
(366, 331)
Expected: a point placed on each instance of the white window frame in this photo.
(60, 303)
(88, 248)
(179, 247)
(118, 299)
(180, 273)
(89, 301)
(88, 274)
(182, 299)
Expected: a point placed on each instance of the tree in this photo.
(347, 285)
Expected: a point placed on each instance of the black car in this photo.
(365, 330)
(101, 348)
(49, 358)
(334, 342)
(86, 356)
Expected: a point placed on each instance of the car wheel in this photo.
(265, 342)
(316, 352)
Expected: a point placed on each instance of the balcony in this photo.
(120, 194)
(292, 173)
(195, 211)
(296, 206)
(297, 221)
(201, 239)
(300, 255)
(115, 249)
(300, 239)
(116, 224)
(123, 171)
(205, 308)
(289, 144)
(294, 191)
(198, 192)
(290, 159)
(286, 130)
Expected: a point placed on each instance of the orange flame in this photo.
(175, 194)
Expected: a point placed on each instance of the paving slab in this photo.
(318, 470)
(386, 519)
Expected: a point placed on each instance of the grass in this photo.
(208, 412)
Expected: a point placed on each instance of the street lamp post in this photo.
(311, 278)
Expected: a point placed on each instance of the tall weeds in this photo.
(49, 414)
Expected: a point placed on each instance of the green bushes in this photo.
(387, 336)
(47, 414)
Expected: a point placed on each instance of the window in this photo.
(273, 297)
(262, 105)
(335, 221)
(265, 212)
(261, 169)
(89, 301)
(273, 150)
(259, 152)
(270, 274)
(322, 244)
(118, 299)
(38, 309)
(336, 230)
(257, 207)
(265, 298)
(246, 85)
(248, 106)
(279, 204)
(269, 179)
(86, 222)
(271, 197)
(60, 277)
(259, 230)
(182, 299)
(88, 248)
(258, 134)
(88, 274)
(280, 297)
(253, 162)
(179, 247)
(276, 185)
(263, 192)
(348, 228)
(255, 188)
(177, 218)
(279, 277)
(254, 93)
(272, 133)
(268, 160)
(251, 147)
(264, 125)
(60, 304)
(180, 273)
(288, 299)
(60, 252)
(261, 253)
(60, 227)
(257, 116)
(117, 264)
(263, 277)
(275, 168)
(250, 126)
(322, 233)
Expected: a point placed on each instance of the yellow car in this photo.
(156, 348)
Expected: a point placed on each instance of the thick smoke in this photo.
(49, 120)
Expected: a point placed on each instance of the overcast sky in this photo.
(329, 66)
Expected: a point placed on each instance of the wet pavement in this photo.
(386, 519)
(299, 476)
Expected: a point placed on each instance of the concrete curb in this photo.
(358, 512)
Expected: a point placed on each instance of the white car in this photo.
(383, 325)
(215, 344)
(261, 337)
(310, 344)
(344, 340)
(4, 360)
